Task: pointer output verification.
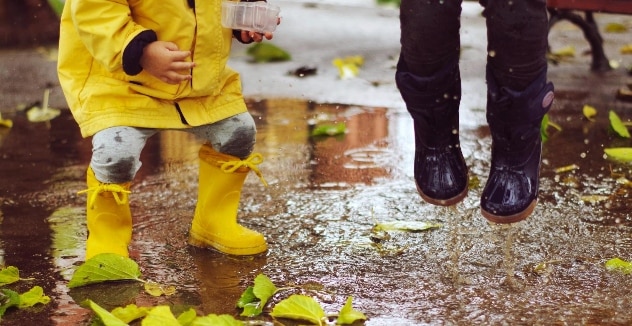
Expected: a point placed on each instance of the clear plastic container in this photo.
(250, 16)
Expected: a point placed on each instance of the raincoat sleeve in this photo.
(105, 27)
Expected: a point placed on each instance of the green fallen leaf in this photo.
(330, 130)
(130, 313)
(622, 154)
(217, 320)
(299, 307)
(348, 315)
(544, 127)
(57, 5)
(617, 125)
(248, 296)
(103, 268)
(394, 3)
(32, 297)
(188, 317)
(412, 226)
(160, 316)
(254, 298)
(264, 289)
(267, 52)
(8, 275)
(8, 299)
(105, 316)
(589, 112)
(619, 265)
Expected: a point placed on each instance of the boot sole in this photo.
(443, 202)
(509, 218)
(207, 243)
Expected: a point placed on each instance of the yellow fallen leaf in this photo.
(5, 122)
(589, 112)
(349, 67)
(615, 28)
(626, 49)
(37, 114)
(157, 290)
(568, 51)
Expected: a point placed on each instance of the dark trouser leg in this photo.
(518, 98)
(429, 82)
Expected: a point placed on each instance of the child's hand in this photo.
(166, 62)
(247, 36)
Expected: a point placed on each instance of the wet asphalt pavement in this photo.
(326, 194)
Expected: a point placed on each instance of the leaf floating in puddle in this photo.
(589, 112)
(37, 114)
(103, 268)
(330, 130)
(618, 126)
(299, 307)
(157, 290)
(619, 265)
(411, 226)
(5, 122)
(622, 154)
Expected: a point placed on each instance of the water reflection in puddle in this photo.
(325, 195)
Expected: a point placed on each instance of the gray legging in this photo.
(516, 37)
(116, 150)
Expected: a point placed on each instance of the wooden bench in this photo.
(566, 10)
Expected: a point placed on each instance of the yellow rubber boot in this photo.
(215, 221)
(109, 218)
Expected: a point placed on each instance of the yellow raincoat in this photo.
(93, 36)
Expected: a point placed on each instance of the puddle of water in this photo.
(325, 195)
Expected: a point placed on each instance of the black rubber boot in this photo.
(433, 102)
(514, 119)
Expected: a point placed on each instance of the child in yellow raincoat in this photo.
(131, 68)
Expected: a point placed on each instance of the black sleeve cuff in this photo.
(134, 51)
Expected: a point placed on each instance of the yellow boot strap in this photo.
(118, 193)
(250, 162)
